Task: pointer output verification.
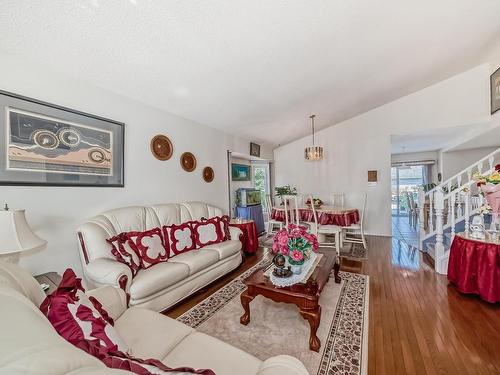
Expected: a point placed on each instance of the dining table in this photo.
(327, 215)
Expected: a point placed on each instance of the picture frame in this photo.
(254, 149)
(44, 144)
(495, 91)
(240, 172)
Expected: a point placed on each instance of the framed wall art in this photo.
(495, 91)
(240, 172)
(254, 149)
(44, 144)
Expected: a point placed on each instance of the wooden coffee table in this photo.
(304, 296)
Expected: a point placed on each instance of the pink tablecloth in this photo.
(474, 267)
(343, 218)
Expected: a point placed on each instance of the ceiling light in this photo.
(313, 152)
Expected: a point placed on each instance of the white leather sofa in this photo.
(163, 285)
(29, 345)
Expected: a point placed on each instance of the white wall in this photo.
(453, 162)
(56, 212)
(364, 142)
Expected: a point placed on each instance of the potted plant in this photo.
(285, 190)
(295, 244)
(490, 186)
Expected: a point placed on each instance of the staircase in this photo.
(448, 208)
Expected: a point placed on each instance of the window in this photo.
(261, 180)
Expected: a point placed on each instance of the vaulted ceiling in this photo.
(254, 68)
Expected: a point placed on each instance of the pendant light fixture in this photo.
(313, 152)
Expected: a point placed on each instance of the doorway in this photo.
(406, 181)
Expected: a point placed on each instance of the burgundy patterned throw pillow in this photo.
(207, 232)
(151, 246)
(124, 251)
(181, 237)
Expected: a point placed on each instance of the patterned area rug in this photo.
(278, 328)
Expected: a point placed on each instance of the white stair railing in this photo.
(447, 205)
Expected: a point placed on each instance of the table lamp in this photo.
(16, 235)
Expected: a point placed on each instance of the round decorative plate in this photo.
(161, 147)
(188, 162)
(208, 174)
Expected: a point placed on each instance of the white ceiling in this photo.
(487, 138)
(436, 139)
(254, 68)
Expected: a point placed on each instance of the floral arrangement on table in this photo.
(295, 243)
(316, 202)
(490, 186)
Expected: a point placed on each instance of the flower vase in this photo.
(297, 268)
(492, 194)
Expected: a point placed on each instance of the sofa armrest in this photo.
(282, 365)
(235, 233)
(113, 300)
(105, 271)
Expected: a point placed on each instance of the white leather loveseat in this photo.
(163, 285)
(29, 345)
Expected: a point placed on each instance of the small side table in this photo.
(249, 239)
(50, 278)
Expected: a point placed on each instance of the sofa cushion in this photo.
(181, 237)
(207, 232)
(125, 251)
(149, 334)
(196, 260)
(77, 317)
(203, 351)
(151, 246)
(226, 248)
(157, 278)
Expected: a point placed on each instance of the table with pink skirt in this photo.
(327, 215)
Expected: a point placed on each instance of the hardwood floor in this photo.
(418, 323)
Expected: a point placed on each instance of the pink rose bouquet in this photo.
(295, 243)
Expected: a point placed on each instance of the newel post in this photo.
(440, 264)
(421, 216)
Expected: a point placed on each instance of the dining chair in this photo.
(271, 223)
(337, 199)
(413, 212)
(326, 230)
(355, 233)
(291, 203)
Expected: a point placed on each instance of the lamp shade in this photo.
(15, 233)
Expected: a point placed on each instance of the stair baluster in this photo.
(452, 219)
(439, 247)
(421, 208)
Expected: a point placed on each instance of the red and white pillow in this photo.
(151, 246)
(83, 322)
(207, 232)
(77, 317)
(224, 226)
(181, 237)
(125, 251)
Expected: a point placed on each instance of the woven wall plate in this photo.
(208, 174)
(188, 162)
(161, 147)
